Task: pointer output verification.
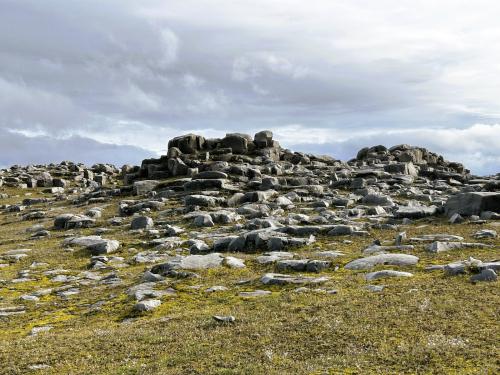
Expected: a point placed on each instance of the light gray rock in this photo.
(378, 200)
(147, 305)
(202, 200)
(255, 293)
(343, 230)
(438, 246)
(210, 175)
(385, 259)
(40, 329)
(273, 256)
(436, 237)
(197, 247)
(385, 274)
(328, 254)
(281, 279)
(373, 249)
(455, 268)
(12, 310)
(233, 262)
(204, 220)
(485, 233)
(95, 244)
(374, 288)
(145, 186)
(224, 319)
(415, 212)
(191, 262)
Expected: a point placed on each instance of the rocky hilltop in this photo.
(243, 231)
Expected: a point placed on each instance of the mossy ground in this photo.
(427, 324)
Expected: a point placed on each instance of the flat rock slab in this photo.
(255, 293)
(438, 247)
(436, 237)
(274, 256)
(415, 212)
(190, 262)
(305, 265)
(382, 249)
(12, 310)
(281, 279)
(385, 274)
(386, 259)
(95, 244)
(328, 254)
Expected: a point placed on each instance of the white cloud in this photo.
(136, 73)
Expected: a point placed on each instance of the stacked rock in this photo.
(410, 160)
(186, 154)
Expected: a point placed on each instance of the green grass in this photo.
(428, 324)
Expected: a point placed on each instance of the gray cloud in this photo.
(130, 73)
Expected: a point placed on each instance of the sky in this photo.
(114, 80)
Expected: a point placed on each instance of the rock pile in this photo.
(241, 202)
(186, 155)
(56, 177)
(409, 160)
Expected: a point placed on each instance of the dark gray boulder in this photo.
(473, 203)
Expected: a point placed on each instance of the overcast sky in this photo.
(113, 80)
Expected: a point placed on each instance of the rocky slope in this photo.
(235, 220)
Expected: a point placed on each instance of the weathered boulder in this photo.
(385, 259)
(70, 221)
(95, 244)
(238, 143)
(472, 203)
(263, 139)
(187, 144)
(141, 222)
(145, 186)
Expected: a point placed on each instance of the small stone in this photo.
(281, 279)
(224, 319)
(485, 275)
(255, 293)
(400, 238)
(203, 221)
(147, 305)
(485, 233)
(385, 274)
(456, 218)
(141, 222)
(374, 288)
(233, 262)
(36, 330)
